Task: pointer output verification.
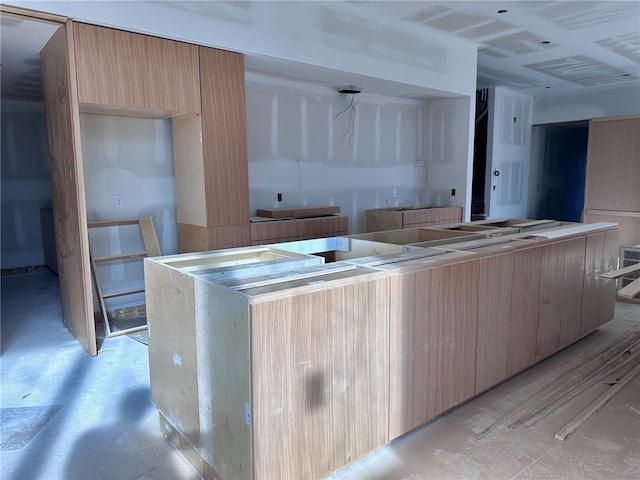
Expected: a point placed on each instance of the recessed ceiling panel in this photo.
(517, 43)
(488, 77)
(576, 15)
(625, 45)
(582, 70)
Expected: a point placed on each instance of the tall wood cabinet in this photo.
(106, 71)
(613, 176)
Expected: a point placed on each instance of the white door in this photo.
(508, 154)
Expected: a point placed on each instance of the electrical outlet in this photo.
(118, 200)
(279, 196)
(394, 192)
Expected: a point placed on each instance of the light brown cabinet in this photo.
(494, 304)
(119, 69)
(411, 217)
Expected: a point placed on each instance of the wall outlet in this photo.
(279, 197)
(394, 192)
(118, 200)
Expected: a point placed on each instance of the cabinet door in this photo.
(110, 66)
(523, 328)
(320, 379)
(172, 80)
(572, 285)
(610, 249)
(494, 303)
(224, 132)
(592, 284)
(457, 333)
(550, 299)
(413, 348)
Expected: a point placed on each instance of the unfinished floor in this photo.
(66, 415)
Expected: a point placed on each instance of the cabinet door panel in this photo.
(550, 299)
(413, 345)
(523, 327)
(591, 294)
(457, 327)
(224, 131)
(572, 291)
(172, 81)
(494, 303)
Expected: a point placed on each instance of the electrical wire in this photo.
(353, 117)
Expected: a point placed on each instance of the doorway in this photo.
(559, 171)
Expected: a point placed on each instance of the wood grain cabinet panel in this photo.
(494, 303)
(413, 347)
(613, 175)
(224, 132)
(523, 328)
(593, 262)
(572, 286)
(457, 333)
(172, 80)
(550, 299)
(320, 380)
(610, 249)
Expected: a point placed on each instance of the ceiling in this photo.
(536, 47)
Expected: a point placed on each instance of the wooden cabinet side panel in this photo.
(572, 286)
(591, 293)
(613, 175)
(291, 385)
(611, 247)
(494, 302)
(359, 369)
(171, 314)
(413, 348)
(224, 137)
(67, 185)
(188, 165)
(550, 299)
(224, 379)
(524, 309)
(172, 80)
(457, 327)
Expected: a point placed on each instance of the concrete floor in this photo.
(79, 417)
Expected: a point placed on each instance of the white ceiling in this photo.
(591, 43)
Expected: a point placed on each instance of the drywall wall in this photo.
(558, 171)
(332, 35)
(308, 143)
(598, 102)
(128, 173)
(448, 147)
(25, 182)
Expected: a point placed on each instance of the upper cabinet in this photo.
(122, 70)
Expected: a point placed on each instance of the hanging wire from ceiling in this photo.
(352, 90)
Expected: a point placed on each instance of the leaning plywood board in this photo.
(621, 272)
(630, 291)
(67, 184)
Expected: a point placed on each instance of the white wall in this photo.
(300, 147)
(132, 157)
(25, 182)
(586, 104)
(449, 152)
(335, 35)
